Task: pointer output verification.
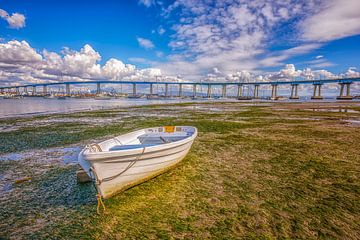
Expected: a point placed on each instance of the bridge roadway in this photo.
(344, 83)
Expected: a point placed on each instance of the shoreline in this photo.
(132, 103)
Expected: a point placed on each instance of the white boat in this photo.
(127, 160)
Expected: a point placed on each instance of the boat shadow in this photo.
(56, 188)
(62, 189)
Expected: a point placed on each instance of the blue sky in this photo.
(194, 39)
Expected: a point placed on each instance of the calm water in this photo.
(37, 105)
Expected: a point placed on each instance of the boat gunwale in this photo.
(112, 159)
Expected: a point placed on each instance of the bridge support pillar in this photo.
(342, 95)
(67, 87)
(209, 91)
(17, 90)
(256, 91)
(224, 91)
(26, 90)
(240, 91)
(151, 89)
(317, 92)
(166, 90)
(98, 88)
(180, 90)
(194, 90)
(274, 92)
(44, 90)
(134, 89)
(33, 90)
(294, 91)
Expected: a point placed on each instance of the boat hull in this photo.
(136, 166)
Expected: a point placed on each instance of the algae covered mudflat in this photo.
(256, 170)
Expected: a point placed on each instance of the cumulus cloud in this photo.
(352, 73)
(15, 52)
(287, 73)
(115, 69)
(15, 20)
(83, 63)
(20, 63)
(145, 43)
(335, 19)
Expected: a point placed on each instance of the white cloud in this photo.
(159, 54)
(238, 35)
(319, 62)
(16, 52)
(20, 63)
(145, 43)
(320, 74)
(15, 20)
(288, 73)
(83, 63)
(150, 72)
(276, 58)
(336, 19)
(115, 69)
(231, 35)
(161, 30)
(146, 3)
(352, 73)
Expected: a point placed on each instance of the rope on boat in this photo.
(94, 147)
(98, 195)
(100, 203)
(123, 171)
(98, 181)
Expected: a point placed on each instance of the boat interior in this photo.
(146, 138)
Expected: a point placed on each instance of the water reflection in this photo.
(35, 106)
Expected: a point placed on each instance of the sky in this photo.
(244, 40)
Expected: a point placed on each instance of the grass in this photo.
(253, 173)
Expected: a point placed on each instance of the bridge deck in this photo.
(297, 82)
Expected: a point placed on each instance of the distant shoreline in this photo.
(13, 109)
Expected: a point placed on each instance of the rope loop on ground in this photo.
(100, 203)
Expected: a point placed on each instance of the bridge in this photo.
(317, 84)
